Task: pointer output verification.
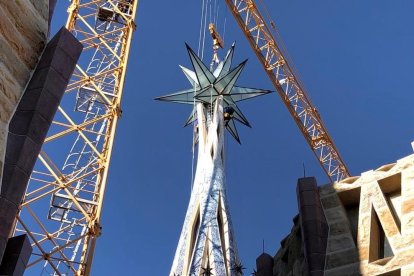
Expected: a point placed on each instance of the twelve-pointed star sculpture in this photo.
(208, 86)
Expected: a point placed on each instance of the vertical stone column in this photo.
(17, 256)
(31, 122)
(313, 225)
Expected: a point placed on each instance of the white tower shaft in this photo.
(206, 240)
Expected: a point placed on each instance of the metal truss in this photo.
(288, 86)
(61, 211)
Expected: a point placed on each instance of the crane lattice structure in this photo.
(61, 211)
(288, 86)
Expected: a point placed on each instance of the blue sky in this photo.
(355, 59)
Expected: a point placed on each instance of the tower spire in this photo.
(206, 245)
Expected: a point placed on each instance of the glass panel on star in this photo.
(191, 76)
(204, 76)
(191, 118)
(228, 61)
(244, 93)
(231, 127)
(186, 97)
(226, 83)
(209, 95)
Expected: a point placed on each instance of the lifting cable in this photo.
(200, 53)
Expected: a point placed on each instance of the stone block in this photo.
(41, 100)
(59, 60)
(13, 174)
(30, 124)
(49, 79)
(407, 206)
(16, 256)
(8, 212)
(307, 184)
(315, 228)
(65, 40)
(340, 242)
(339, 228)
(326, 190)
(309, 198)
(312, 212)
(333, 215)
(341, 258)
(20, 245)
(12, 267)
(315, 244)
(330, 202)
(22, 152)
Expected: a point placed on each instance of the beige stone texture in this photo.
(395, 215)
(382, 199)
(23, 35)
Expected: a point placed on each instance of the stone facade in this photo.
(371, 226)
(290, 259)
(23, 36)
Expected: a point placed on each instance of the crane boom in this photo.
(288, 86)
(61, 210)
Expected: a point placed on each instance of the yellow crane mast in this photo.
(61, 211)
(288, 86)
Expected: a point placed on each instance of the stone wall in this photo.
(23, 35)
(371, 225)
(290, 260)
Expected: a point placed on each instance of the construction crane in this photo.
(288, 86)
(61, 211)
